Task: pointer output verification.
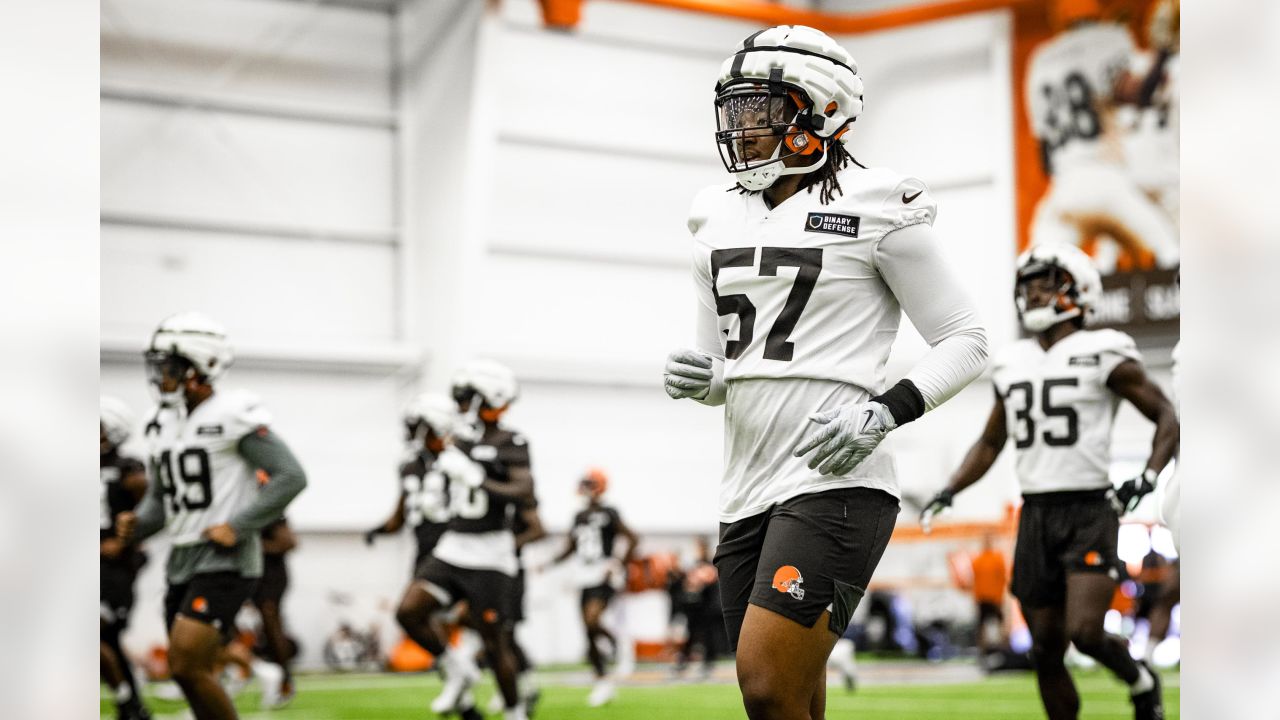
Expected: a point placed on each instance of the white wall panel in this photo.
(582, 312)
(932, 99)
(217, 166)
(554, 198)
(268, 49)
(558, 87)
(266, 291)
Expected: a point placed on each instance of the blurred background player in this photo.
(429, 421)
(1073, 89)
(423, 503)
(595, 529)
(278, 541)
(206, 450)
(990, 576)
(1057, 394)
(481, 412)
(527, 526)
(695, 595)
(1161, 591)
(488, 479)
(123, 484)
(797, 356)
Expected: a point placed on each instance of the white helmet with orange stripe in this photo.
(788, 81)
(1073, 274)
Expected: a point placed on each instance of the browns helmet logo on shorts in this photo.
(788, 580)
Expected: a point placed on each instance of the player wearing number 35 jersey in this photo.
(218, 476)
(1056, 395)
(802, 269)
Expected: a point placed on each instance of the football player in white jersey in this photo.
(1071, 89)
(218, 476)
(1056, 394)
(489, 481)
(802, 267)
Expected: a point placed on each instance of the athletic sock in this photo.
(124, 693)
(1144, 682)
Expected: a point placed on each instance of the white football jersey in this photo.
(792, 298)
(195, 459)
(1067, 77)
(1059, 410)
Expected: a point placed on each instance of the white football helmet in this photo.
(491, 380)
(117, 419)
(789, 81)
(1080, 285)
(185, 343)
(429, 410)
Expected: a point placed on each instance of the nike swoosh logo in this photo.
(907, 199)
(867, 421)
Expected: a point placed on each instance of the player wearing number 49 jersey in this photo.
(1056, 395)
(218, 476)
(802, 269)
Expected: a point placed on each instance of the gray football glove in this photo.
(688, 374)
(848, 436)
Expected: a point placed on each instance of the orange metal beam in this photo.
(566, 13)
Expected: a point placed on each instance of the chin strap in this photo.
(764, 176)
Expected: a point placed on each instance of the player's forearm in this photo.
(565, 554)
(975, 465)
(1164, 446)
(396, 521)
(518, 487)
(149, 515)
(288, 479)
(533, 534)
(630, 554)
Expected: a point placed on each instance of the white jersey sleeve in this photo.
(1058, 409)
(931, 296)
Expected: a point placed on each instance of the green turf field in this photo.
(379, 697)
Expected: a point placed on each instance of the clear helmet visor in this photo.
(751, 125)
